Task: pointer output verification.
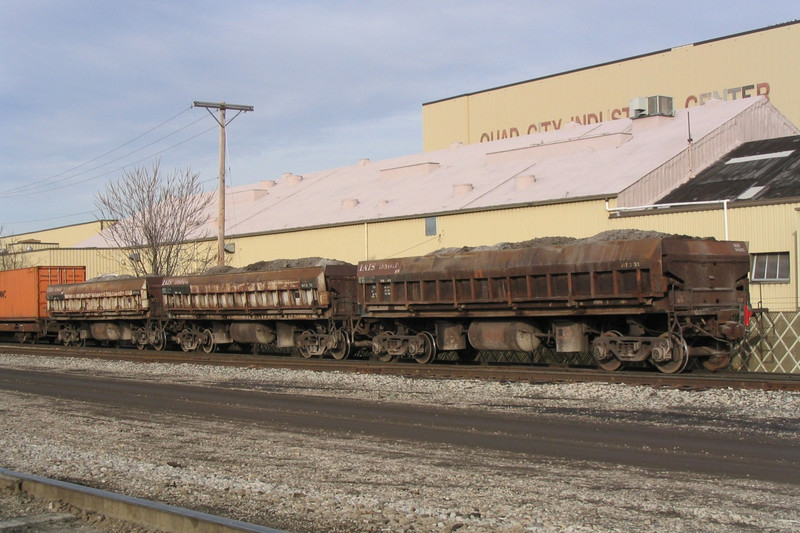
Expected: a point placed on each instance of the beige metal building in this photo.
(759, 62)
(576, 182)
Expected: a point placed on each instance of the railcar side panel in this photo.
(106, 299)
(552, 280)
(23, 301)
(298, 293)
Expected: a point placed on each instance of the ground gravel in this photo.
(301, 481)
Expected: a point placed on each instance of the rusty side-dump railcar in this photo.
(23, 301)
(311, 308)
(656, 299)
(108, 310)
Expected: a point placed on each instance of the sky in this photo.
(90, 89)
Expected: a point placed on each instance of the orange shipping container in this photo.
(23, 292)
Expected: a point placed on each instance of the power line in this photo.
(50, 179)
(28, 188)
(112, 171)
(49, 218)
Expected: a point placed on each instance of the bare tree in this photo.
(10, 258)
(160, 220)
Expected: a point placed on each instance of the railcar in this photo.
(658, 299)
(311, 309)
(23, 303)
(661, 300)
(109, 310)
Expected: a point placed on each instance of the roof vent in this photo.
(267, 184)
(457, 144)
(417, 169)
(364, 161)
(462, 189)
(523, 182)
(349, 203)
(651, 106)
(247, 195)
(291, 179)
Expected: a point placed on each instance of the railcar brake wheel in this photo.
(680, 355)
(610, 364)
(342, 349)
(428, 352)
(717, 362)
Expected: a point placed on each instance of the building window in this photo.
(430, 226)
(770, 267)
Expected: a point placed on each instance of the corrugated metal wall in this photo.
(96, 261)
(66, 236)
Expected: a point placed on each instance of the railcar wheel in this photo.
(679, 355)
(139, 338)
(207, 341)
(717, 362)
(428, 352)
(158, 340)
(188, 340)
(342, 349)
(302, 342)
(382, 356)
(25, 338)
(70, 336)
(611, 364)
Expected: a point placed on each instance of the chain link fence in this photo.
(772, 344)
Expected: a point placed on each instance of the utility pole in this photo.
(222, 106)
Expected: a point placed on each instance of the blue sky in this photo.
(88, 88)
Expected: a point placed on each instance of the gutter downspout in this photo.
(366, 241)
(676, 204)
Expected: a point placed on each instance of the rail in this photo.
(696, 379)
(133, 510)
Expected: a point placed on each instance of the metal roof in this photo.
(758, 170)
(636, 159)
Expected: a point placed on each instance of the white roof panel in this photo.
(574, 162)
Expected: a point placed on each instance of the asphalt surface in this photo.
(728, 452)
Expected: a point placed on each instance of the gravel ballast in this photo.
(316, 481)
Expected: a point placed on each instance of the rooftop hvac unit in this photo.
(650, 106)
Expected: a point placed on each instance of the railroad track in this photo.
(120, 507)
(695, 380)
